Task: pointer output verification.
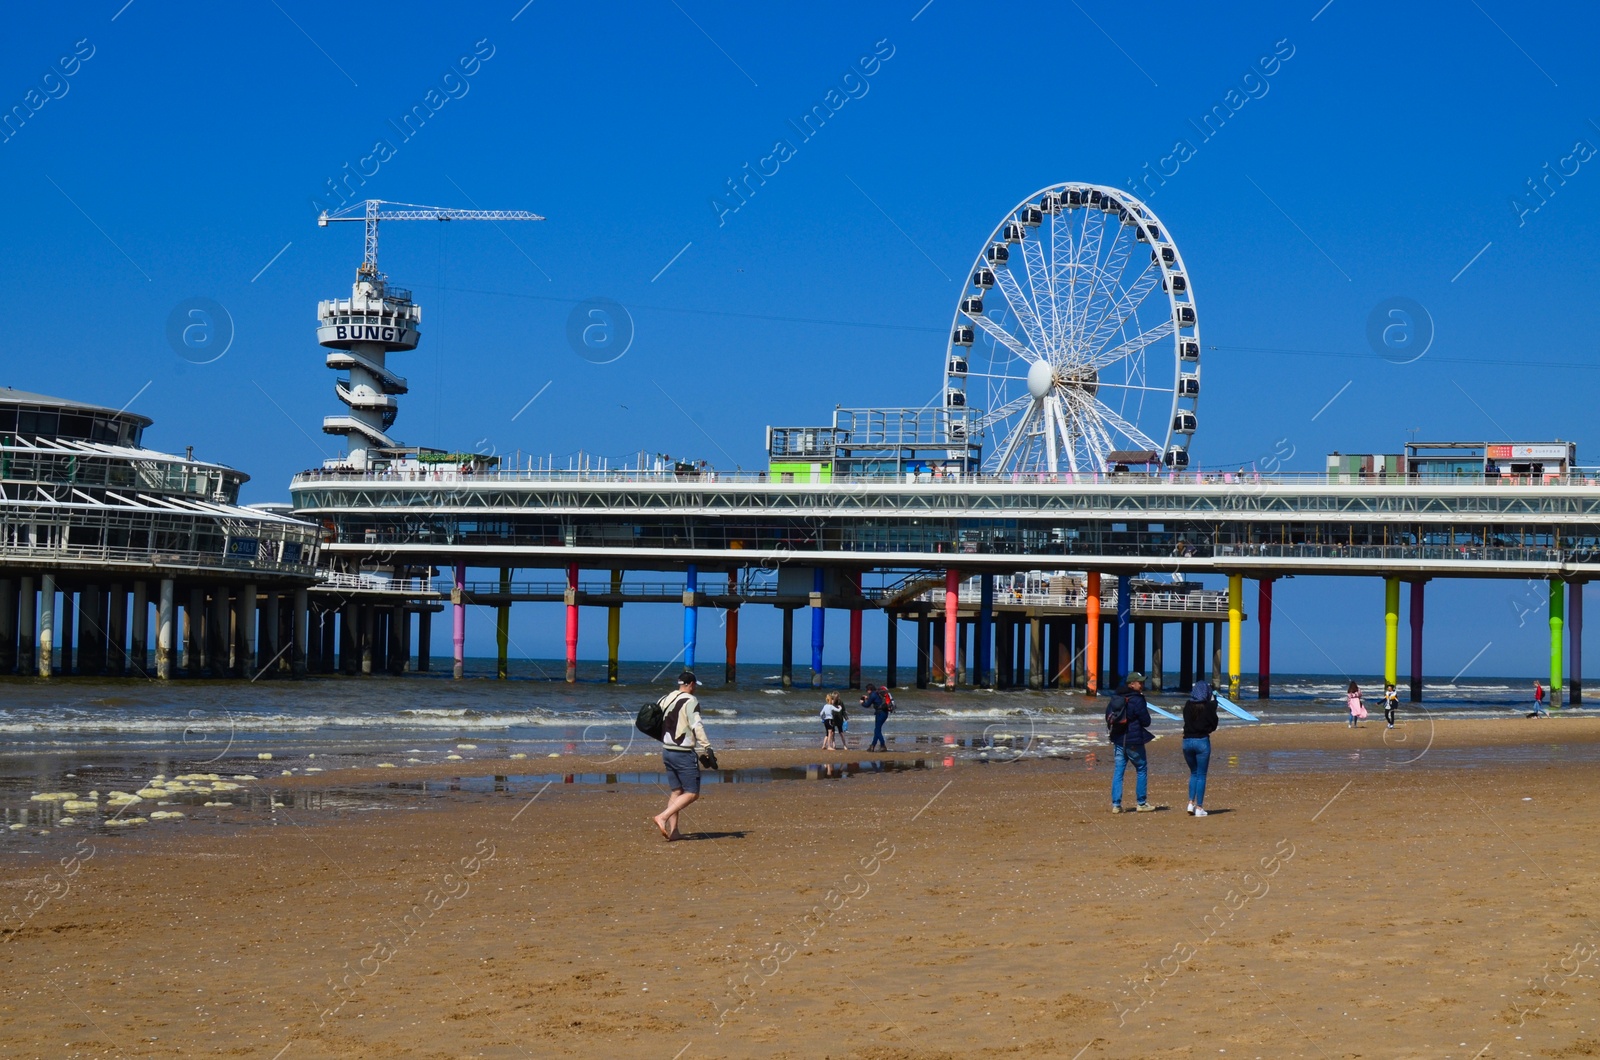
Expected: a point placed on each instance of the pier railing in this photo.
(328, 579)
(1577, 477)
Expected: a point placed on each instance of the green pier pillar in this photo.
(1558, 615)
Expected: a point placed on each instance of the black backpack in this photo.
(652, 719)
(1117, 713)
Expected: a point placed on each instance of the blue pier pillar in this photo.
(984, 678)
(691, 615)
(816, 628)
(1124, 618)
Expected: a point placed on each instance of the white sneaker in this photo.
(1198, 812)
(1189, 808)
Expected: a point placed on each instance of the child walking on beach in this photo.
(831, 709)
(1391, 703)
(1352, 699)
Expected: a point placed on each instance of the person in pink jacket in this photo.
(1353, 701)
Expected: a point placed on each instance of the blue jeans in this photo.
(877, 730)
(1141, 764)
(1197, 752)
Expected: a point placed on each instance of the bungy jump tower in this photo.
(376, 320)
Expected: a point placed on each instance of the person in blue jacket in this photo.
(1128, 724)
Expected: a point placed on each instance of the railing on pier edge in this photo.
(1577, 477)
(374, 583)
(55, 555)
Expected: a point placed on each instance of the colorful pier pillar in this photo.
(1416, 640)
(613, 627)
(571, 596)
(855, 647)
(1124, 639)
(1575, 620)
(502, 624)
(691, 614)
(1391, 629)
(1264, 628)
(1091, 632)
(952, 629)
(1558, 614)
(984, 675)
(1235, 633)
(458, 620)
(816, 628)
(730, 643)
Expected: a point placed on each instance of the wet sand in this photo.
(1368, 902)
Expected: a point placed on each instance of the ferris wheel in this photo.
(1059, 349)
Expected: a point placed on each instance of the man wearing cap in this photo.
(683, 747)
(1128, 719)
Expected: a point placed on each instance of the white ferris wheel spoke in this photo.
(998, 332)
(1026, 315)
(1133, 345)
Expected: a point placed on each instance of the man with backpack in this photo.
(683, 748)
(1128, 725)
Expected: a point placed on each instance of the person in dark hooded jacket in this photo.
(1128, 722)
(1199, 722)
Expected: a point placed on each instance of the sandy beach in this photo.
(1425, 892)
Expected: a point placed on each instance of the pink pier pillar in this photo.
(952, 632)
(460, 619)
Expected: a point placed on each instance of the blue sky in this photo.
(1385, 154)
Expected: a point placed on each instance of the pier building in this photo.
(97, 530)
(1059, 453)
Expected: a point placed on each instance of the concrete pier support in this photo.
(269, 640)
(27, 619)
(299, 632)
(891, 651)
(349, 639)
(1575, 621)
(1416, 640)
(1036, 652)
(1235, 629)
(1060, 652)
(194, 632)
(424, 640)
(817, 618)
(1158, 643)
(730, 647)
(1124, 633)
(786, 672)
(247, 620)
(614, 628)
(369, 638)
(165, 613)
(1216, 655)
(924, 649)
(1185, 656)
(1140, 649)
(691, 614)
(936, 661)
(1091, 643)
(399, 640)
(64, 631)
(47, 625)
(1391, 629)
(117, 631)
(329, 626)
(983, 676)
(952, 630)
(458, 621)
(502, 626)
(1558, 614)
(139, 640)
(1264, 631)
(8, 625)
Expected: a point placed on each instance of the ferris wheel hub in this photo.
(1041, 378)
